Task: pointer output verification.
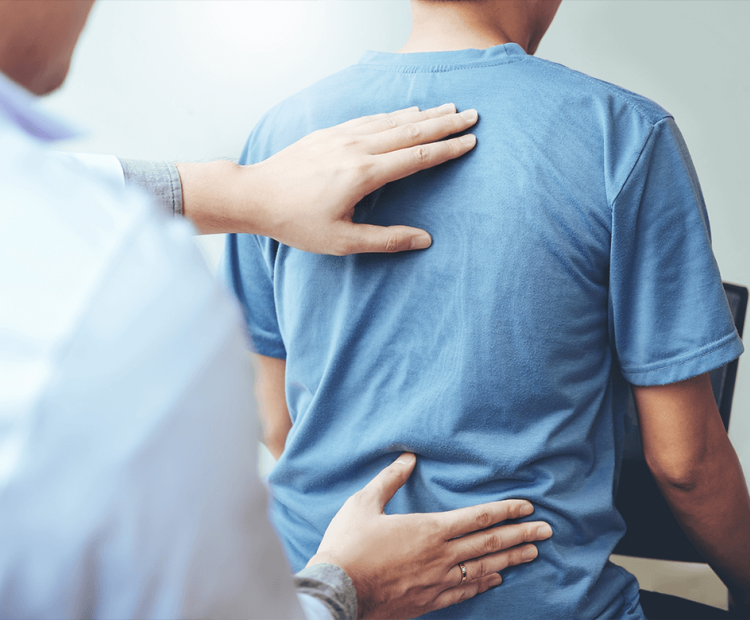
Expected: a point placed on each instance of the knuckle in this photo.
(430, 527)
(420, 154)
(483, 586)
(516, 556)
(342, 247)
(479, 569)
(529, 533)
(483, 519)
(347, 142)
(391, 245)
(392, 472)
(412, 131)
(360, 166)
(389, 122)
(514, 511)
(493, 542)
(358, 498)
(453, 122)
(453, 146)
(506, 559)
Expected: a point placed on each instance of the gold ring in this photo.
(463, 572)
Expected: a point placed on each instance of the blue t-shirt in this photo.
(571, 254)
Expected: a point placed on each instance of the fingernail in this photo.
(529, 554)
(469, 138)
(469, 115)
(447, 107)
(544, 531)
(496, 581)
(406, 459)
(526, 510)
(420, 242)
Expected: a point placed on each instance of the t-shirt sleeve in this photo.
(248, 271)
(669, 319)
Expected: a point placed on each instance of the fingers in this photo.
(480, 544)
(482, 572)
(469, 589)
(364, 120)
(492, 563)
(411, 134)
(383, 487)
(360, 238)
(466, 520)
(384, 123)
(402, 163)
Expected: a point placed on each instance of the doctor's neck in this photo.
(447, 25)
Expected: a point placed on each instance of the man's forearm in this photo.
(210, 193)
(713, 508)
(697, 470)
(224, 197)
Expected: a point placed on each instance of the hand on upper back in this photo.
(407, 565)
(312, 186)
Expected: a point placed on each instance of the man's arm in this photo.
(271, 395)
(697, 470)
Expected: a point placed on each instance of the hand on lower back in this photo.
(407, 565)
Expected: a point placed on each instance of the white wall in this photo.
(188, 80)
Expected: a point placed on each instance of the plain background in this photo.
(185, 80)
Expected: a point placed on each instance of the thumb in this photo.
(362, 238)
(383, 487)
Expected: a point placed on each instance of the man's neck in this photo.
(476, 24)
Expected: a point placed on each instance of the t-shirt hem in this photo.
(680, 368)
(267, 347)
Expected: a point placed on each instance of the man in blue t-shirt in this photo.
(571, 257)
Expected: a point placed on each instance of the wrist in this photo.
(219, 198)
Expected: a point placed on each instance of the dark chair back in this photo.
(653, 532)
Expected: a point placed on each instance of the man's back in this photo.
(497, 355)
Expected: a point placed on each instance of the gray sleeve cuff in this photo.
(330, 585)
(159, 179)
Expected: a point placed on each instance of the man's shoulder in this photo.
(320, 105)
(326, 102)
(571, 80)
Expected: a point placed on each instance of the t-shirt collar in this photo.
(24, 110)
(456, 58)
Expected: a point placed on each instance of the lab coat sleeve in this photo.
(159, 179)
